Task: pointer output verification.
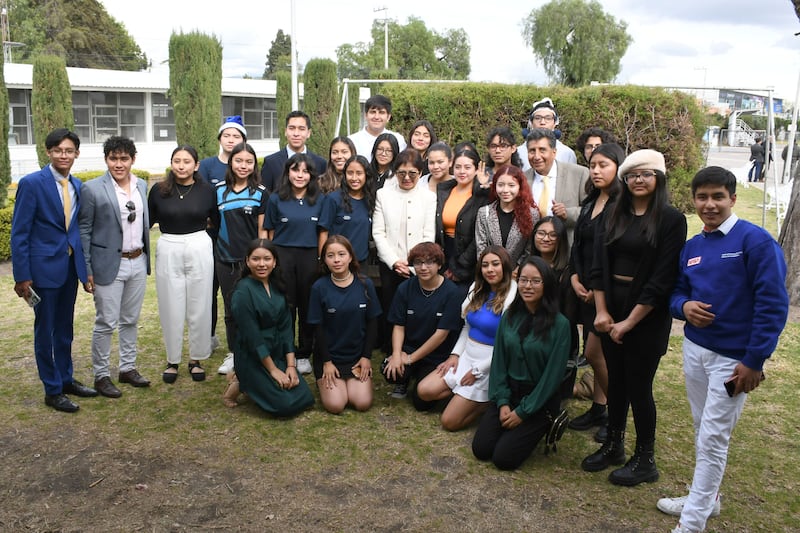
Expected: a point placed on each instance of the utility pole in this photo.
(385, 35)
(5, 33)
(293, 39)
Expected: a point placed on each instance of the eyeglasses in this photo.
(424, 262)
(58, 152)
(411, 174)
(131, 207)
(529, 282)
(501, 146)
(644, 175)
(384, 151)
(543, 118)
(552, 235)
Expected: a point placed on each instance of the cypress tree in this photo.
(51, 101)
(195, 89)
(283, 101)
(320, 99)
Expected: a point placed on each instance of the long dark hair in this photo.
(622, 214)
(168, 185)
(561, 255)
(616, 154)
(390, 138)
(275, 278)
(428, 126)
(369, 184)
(543, 319)
(480, 294)
(312, 189)
(330, 179)
(354, 266)
(253, 180)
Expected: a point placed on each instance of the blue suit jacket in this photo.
(272, 170)
(101, 228)
(39, 239)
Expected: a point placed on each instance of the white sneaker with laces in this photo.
(227, 364)
(304, 366)
(674, 506)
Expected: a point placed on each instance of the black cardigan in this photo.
(462, 264)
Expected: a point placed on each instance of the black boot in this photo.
(640, 468)
(612, 452)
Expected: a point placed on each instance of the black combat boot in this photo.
(641, 468)
(612, 452)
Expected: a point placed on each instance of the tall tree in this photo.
(279, 57)
(5, 160)
(195, 89)
(283, 101)
(80, 31)
(320, 96)
(415, 52)
(576, 41)
(789, 238)
(51, 101)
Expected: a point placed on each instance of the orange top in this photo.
(452, 206)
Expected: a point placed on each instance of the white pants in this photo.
(715, 415)
(118, 304)
(184, 277)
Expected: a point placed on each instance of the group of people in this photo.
(484, 270)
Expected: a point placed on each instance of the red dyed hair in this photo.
(522, 209)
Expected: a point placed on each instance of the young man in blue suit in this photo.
(115, 234)
(47, 259)
(298, 131)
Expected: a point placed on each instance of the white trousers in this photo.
(118, 305)
(715, 415)
(184, 277)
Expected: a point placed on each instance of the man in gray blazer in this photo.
(558, 188)
(115, 234)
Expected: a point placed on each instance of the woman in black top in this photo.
(634, 271)
(602, 188)
(184, 205)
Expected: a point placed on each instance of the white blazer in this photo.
(419, 205)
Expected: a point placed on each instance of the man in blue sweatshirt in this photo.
(731, 292)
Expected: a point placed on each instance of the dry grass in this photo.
(172, 458)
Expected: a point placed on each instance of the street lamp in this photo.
(385, 35)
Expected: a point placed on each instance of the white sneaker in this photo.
(674, 506)
(304, 366)
(680, 529)
(227, 364)
(214, 342)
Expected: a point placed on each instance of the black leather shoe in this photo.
(78, 389)
(134, 378)
(595, 416)
(59, 402)
(106, 388)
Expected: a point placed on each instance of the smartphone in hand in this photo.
(32, 298)
(730, 383)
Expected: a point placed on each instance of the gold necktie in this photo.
(67, 201)
(544, 198)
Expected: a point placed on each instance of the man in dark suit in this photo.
(298, 131)
(558, 188)
(115, 235)
(48, 261)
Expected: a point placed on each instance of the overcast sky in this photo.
(745, 44)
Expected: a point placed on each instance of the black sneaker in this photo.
(400, 391)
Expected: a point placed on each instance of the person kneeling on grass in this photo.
(343, 310)
(465, 374)
(263, 353)
(426, 319)
(530, 354)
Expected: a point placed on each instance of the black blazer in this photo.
(272, 169)
(462, 263)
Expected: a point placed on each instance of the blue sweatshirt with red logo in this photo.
(742, 275)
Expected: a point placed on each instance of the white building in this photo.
(133, 104)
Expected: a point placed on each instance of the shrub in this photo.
(92, 174)
(5, 232)
(51, 101)
(5, 160)
(320, 96)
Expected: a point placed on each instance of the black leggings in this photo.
(508, 448)
(299, 267)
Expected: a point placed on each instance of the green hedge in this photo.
(5, 232)
(91, 174)
(641, 117)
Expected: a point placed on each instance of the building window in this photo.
(163, 118)
(258, 114)
(20, 106)
(99, 115)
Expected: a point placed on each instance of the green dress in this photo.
(265, 329)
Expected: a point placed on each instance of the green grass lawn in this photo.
(173, 458)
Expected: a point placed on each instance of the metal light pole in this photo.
(295, 98)
(385, 35)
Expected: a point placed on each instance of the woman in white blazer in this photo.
(404, 216)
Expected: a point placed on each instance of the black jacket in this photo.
(463, 261)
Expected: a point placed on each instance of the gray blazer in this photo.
(487, 232)
(570, 191)
(101, 228)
